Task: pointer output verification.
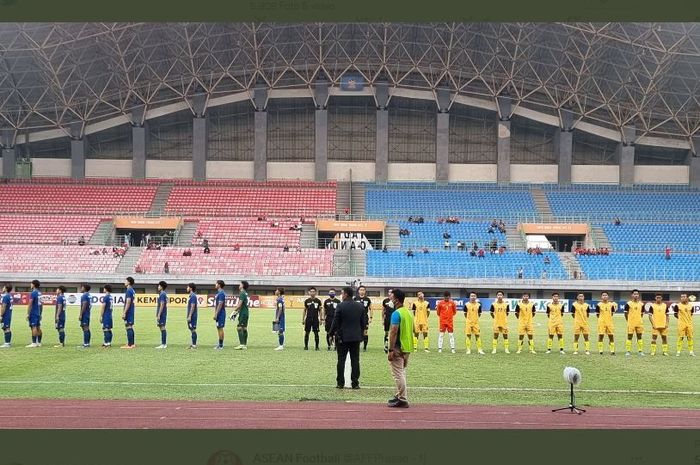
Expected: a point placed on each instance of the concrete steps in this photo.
(600, 239)
(541, 203)
(308, 237)
(358, 199)
(103, 233)
(129, 261)
(571, 265)
(514, 239)
(186, 234)
(392, 240)
(160, 199)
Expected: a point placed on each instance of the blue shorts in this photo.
(6, 320)
(221, 319)
(129, 320)
(85, 320)
(193, 322)
(61, 323)
(282, 325)
(163, 319)
(107, 323)
(34, 320)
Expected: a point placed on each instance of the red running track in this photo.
(58, 414)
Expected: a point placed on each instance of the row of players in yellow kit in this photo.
(658, 313)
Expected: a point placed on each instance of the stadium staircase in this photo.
(343, 194)
(358, 199)
(514, 239)
(600, 239)
(541, 203)
(186, 233)
(358, 262)
(160, 199)
(571, 265)
(103, 233)
(308, 238)
(341, 263)
(129, 261)
(392, 240)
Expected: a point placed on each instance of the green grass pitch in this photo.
(294, 374)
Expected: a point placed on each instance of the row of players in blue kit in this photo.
(34, 314)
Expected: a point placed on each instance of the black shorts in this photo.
(311, 325)
(387, 324)
(328, 324)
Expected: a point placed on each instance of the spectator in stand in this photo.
(187, 253)
(482, 253)
(606, 251)
(617, 221)
(538, 251)
(447, 244)
(81, 240)
(260, 218)
(207, 250)
(521, 273)
(475, 246)
(441, 220)
(460, 245)
(285, 248)
(166, 268)
(409, 253)
(494, 223)
(236, 247)
(544, 274)
(425, 250)
(502, 250)
(547, 261)
(446, 235)
(299, 248)
(668, 252)
(104, 251)
(384, 249)
(138, 269)
(491, 230)
(472, 252)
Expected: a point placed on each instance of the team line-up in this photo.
(317, 313)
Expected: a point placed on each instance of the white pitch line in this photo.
(269, 385)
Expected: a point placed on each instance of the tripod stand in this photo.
(572, 404)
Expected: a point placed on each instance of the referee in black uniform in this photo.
(312, 312)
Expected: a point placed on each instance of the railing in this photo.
(161, 239)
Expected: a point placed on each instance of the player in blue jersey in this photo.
(34, 314)
(84, 316)
(279, 317)
(162, 314)
(106, 319)
(6, 315)
(129, 313)
(60, 315)
(220, 312)
(192, 313)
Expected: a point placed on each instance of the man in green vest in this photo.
(400, 346)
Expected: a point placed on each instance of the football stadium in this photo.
(192, 215)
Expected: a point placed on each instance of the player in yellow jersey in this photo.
(499, 312)
(633, 314)
(472, 312)
(525, 312)
(580, 312)
(421, 312)
(683, 310)
(605, 311)
(555, 325)
(658, 316)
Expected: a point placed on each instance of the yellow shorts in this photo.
(420, 328)
(473, 329)
(500, 329)
(556, 329)
(685, 331)
(659, 331)
(527, 328)
(638, 329)
(582, 329)
(606, 328)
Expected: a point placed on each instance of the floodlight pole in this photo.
(572, 404)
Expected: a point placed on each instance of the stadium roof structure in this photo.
(68, 76)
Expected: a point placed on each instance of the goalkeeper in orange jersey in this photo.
(446, 310)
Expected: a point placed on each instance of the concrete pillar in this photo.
(694, 163)
(199, 147)
(260, 160)
(625, 150)
(381, 167)
(564, 146)
(139, 141)
(442, 169)
(503, 144)
(9, 160)
(77, 158)
(321, 144)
